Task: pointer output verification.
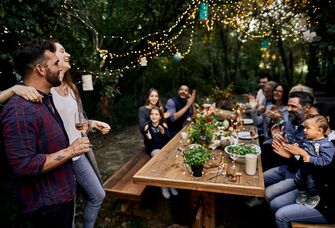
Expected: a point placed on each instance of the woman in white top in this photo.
(67, 101)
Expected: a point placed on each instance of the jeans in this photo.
(287, 211)
(277, 181)
(305, 181)
(94, 193)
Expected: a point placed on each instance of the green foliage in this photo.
(218, 94)
(203, 128)
(197, 155)
(124, 112)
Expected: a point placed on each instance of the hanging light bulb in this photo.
(177, 56)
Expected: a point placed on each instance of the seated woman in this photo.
(273, 114)
(152, 100)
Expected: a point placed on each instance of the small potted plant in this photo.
(196, 157)
(223, 97)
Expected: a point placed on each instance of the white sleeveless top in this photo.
(67, 107)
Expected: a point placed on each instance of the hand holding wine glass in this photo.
(79, 146)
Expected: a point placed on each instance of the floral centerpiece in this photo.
(201, 131)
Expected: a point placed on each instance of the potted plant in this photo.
(196, 157)
(223, 97)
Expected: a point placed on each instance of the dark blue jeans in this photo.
(305, 180)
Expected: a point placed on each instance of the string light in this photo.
(255, 19)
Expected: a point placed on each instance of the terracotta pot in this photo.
(197, 170)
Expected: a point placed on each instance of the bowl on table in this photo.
(242, 149)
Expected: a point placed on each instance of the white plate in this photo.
(248, 121)
(245, 135)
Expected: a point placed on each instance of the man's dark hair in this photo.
(264, 75)
(305, 98)
(27, 55)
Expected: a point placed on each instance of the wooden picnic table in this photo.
(167, 169)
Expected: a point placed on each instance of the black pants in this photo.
(52, 216)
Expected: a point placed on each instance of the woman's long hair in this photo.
(147, 102)
(284, 99)
(67, 79)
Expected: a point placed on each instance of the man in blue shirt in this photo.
(181, 108)
(279, 178)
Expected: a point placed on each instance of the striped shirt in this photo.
(29, 132)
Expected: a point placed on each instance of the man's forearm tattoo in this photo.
(59, 157)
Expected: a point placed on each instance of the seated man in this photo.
(181, 108)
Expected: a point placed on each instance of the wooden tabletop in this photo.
(167, 169)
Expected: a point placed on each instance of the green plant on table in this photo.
(221, 94)
(203, 126)
(197, 155)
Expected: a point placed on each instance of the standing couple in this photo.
(43, 149)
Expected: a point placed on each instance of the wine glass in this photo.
(232, 171)
(234, 157)
(81, 123)
(252, 132)
(184, 137)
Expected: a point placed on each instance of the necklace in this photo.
(62, 90)
(155, 129)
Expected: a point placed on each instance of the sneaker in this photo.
(165, 193)
(254, 202)
(312, 201)
(302, 198)
(174, 191)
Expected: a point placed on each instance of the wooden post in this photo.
(203, 209)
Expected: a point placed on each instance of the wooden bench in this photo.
(120, 184)
(305, 225)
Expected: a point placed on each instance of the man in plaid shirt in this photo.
(36, 145)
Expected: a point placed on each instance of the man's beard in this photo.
(53, 78)
(183, 96)
(295, 116)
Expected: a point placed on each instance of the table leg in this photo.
(203, 208)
